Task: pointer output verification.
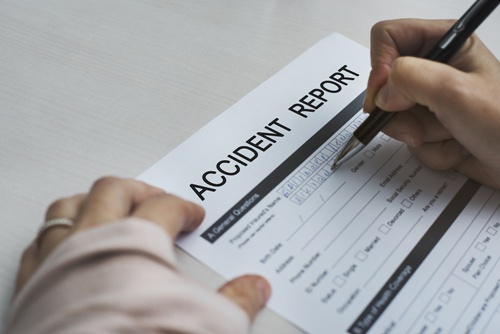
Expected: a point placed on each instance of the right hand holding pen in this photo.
(450, 115)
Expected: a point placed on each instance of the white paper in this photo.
(381, 245)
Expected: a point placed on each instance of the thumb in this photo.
(250, 292)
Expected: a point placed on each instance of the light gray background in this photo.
(99, 87)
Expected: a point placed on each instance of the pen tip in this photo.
(351, 147)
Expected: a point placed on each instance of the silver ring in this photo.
(55, 222)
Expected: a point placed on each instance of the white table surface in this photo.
(108, 87)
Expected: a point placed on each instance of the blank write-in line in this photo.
(331, 219)
(353, 218)
(319, 207)
(390, 254)
(347, 202)
(356, 241)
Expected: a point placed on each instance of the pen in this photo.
(441, 52)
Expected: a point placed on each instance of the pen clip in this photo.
(461, 30)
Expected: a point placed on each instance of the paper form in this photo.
(380, 245)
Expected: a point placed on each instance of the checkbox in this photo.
(284, 192)
(361, 256)
(406, 203)
(451, 175)
(339, 281)
(384, 229)
(445, 298)
(327, 151)
(369, 154)
(491, 231)
(480, 246)
(385, 137)
(297, 200)
(431, 317)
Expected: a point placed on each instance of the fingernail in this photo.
(264, 291)
(382, 96)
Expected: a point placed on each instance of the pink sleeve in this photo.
(120, 277)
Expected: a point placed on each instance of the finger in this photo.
(377, 78)
(416, 126)
(473, 56)
(441, 155)
(444, 90)
(63, 208)
(487, 176)
(250, 292)
(44, 243)
(28, 265)
(418, 81)
(402, 37)
(174, 214)
(395, 38)
(113, 198)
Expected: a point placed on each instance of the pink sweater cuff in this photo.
(120, 277)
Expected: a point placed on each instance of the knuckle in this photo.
(433, 160)
(57, 206)
(404, 71)
(107, 182)
(402, 65)
(377, 28)
(63, 207)
(456, 86)
(78, 197)
(177, 203)
(380, 27)
(437, 164)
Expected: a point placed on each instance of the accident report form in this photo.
(380, 245)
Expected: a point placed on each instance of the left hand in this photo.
(111, 199)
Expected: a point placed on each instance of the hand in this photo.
(111, 199)
(449, 114)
